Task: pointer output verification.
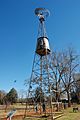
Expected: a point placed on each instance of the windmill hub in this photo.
(42, 12)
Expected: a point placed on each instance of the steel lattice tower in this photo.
(41, 73)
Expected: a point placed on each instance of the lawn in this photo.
(70, 115)
(37, 119)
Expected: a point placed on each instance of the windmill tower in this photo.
(41, 74)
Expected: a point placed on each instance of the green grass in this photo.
(70, 115)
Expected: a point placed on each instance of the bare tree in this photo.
(2, 96)
(58, 69)
(63, 65)
(22, 95)
(76, 84)
(71, 64)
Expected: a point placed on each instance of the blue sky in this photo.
(18, 35)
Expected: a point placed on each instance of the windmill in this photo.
(41, 73)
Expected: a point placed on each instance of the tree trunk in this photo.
(69, 101)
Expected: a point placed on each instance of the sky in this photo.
(18, 35)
